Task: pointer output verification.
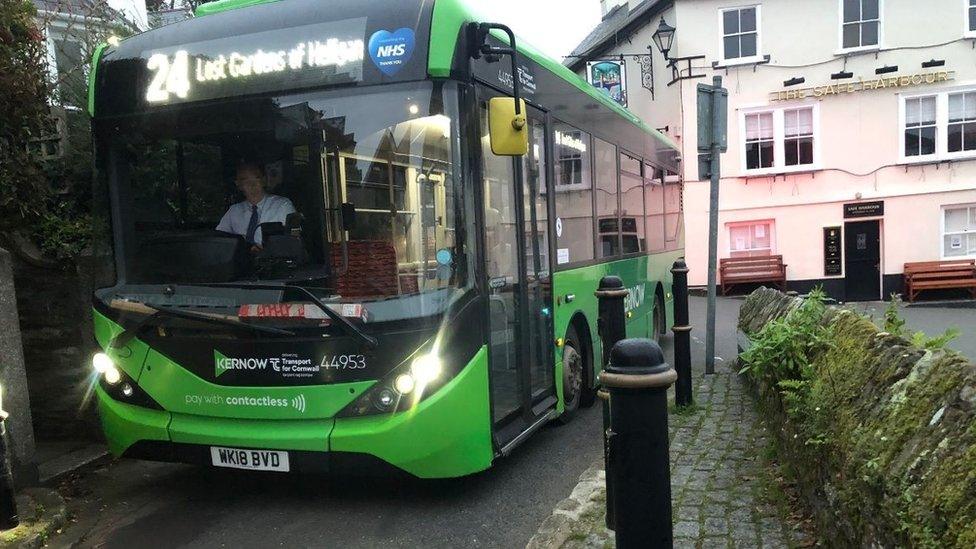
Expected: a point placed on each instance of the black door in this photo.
(862, 253)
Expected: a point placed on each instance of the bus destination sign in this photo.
(317, 54)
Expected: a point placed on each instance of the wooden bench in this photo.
(940, 275)
(745, 270)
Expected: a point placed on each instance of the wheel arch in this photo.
(582, 326)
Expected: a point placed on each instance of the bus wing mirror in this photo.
(508, 131)
(348, 216)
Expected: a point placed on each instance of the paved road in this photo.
(134, 504)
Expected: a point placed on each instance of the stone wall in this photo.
(54, 305)
(13, 379)
(878, 435)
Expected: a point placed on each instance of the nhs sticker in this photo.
(390, 51)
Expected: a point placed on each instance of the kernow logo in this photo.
(223, 364)
(635, 296)
(286, 365)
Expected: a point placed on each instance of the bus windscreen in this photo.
(351, 192)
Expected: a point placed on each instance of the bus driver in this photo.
(245, 218)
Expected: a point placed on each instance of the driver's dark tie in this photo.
(252, 225)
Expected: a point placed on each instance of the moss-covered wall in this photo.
(879, 435)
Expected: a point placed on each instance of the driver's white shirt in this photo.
(271, 209)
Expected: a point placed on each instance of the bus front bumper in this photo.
(446, 435)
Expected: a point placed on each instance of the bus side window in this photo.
(607, 196)
(654, 207)
(631, 205)
(573, 195)
(674, 211)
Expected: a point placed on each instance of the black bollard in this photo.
(612, 321)
(612, 327)
(638, 468)
(8, 501)
(682, 334)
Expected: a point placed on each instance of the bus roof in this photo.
(449, 17)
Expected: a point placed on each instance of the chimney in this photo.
(606, 6)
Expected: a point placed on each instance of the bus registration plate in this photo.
(252, 460)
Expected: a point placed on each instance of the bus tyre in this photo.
(574, 360)
(658, 322)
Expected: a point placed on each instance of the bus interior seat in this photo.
(372, 271)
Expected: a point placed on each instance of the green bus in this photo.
(320, 262)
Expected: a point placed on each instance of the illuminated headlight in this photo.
(404, 384)
(102, 363)
(112, 375)
(118, 385)
(426, 368)
(403, 388)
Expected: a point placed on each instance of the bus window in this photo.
(674, 211)
(631, 205)
(654, 208)
(573, 195)
(387, 155)
(605, 156)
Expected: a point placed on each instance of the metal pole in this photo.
(682, 334)
(8, 500)
(612, 327)
(604, 396)
(713, 231)
(638, 379)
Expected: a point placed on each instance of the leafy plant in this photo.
(893, 322)
(785, 346)
(896, 325)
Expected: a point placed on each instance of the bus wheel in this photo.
(573, 363)
(659, 322)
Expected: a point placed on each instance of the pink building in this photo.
(852, 129)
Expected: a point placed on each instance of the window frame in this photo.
(770, 222)
(967, 22)
(943, 233)
(584, 183)
(841, 50)
(731, 61)
(589, 184)
(941, 124)
(779, 138)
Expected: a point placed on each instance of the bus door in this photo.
(519, 285)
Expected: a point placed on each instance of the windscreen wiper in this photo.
(154, 311)
(342, 321)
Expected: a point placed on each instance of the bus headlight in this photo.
(118, 385)
(105, 366)
(101, 363)
(112, 375)
(426, 368)
(401, 389)
(404, 384)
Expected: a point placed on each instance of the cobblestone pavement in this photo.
(722, 493)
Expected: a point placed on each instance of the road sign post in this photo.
(713, 108)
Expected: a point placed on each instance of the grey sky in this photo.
(554, 26)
